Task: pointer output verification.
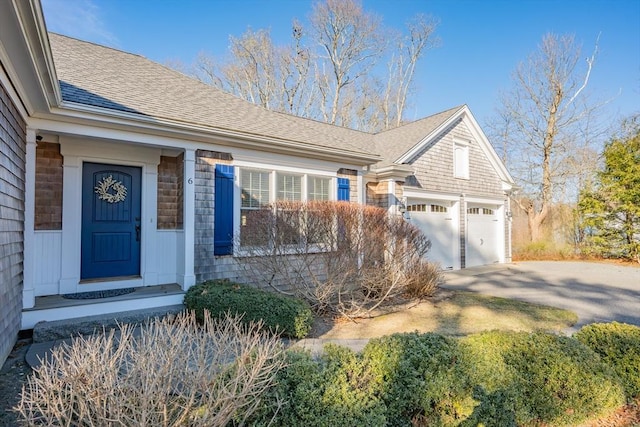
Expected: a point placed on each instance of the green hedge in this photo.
(334, 391)
(491, 379)
(288, 316)
(619, 345)
(538, 378)
(420, 378)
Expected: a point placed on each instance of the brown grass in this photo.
(452, 313)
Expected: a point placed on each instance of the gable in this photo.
(434, 164)
(472, 132)
(395, 143)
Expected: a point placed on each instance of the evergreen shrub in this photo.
(334, 391)
(539, 378)
(288, 316)
(420, 378)
(619, 345)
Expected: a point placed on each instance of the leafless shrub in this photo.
(173, 372)
(423, 279)
(340, 257)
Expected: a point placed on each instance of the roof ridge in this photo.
(449, 111)
(98, 45)
(134, 83)
(166, 67)
(320, 122)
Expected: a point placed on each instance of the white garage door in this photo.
(482, 236)
(435, 219)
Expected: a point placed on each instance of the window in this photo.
(424, 208)
(417, 208)
(487, 211)
(318, 188)
(473, 211)
(254, 200)
(289, 187)
(287, 220)
(255, 188)
(260, 188)
(461, 160)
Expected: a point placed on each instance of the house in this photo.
(120, 173)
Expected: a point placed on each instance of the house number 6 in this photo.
(190, 181)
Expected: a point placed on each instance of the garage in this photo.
(483, 235)
(438, 221)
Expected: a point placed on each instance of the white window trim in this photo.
(279, 174)
(464, 145)
(273, 188)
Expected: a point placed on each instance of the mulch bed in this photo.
(13, 375)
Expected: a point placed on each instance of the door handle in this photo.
(137, 229)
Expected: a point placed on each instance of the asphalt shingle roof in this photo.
(103, 77)
(393, 143)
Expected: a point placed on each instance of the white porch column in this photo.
(508, 229)
(71, 222)
(392, 207)
(362, 189)
(149, 247)
(187, 277)
(28, 289)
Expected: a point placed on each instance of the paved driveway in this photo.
(596, 292)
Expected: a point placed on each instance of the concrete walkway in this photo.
(596, 292)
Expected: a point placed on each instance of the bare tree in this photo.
(351, 42)
(275, 77)
(402, 64)
(545, 118)
(327, 72)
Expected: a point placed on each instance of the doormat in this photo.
(99, 294)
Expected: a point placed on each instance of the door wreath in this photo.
(110, 190)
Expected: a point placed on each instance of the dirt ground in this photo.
(13, 375)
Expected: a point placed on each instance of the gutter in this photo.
(74, 113)
(396, 172)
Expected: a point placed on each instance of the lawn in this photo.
(452, 313)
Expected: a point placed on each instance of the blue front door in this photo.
(110, 221)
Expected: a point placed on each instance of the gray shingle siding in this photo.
(434, 167)
(12, 172)
(204, 211)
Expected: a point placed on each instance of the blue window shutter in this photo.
(223, 214)
(343, 189)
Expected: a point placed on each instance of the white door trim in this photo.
(75, 151)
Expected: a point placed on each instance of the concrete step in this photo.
(87, 325)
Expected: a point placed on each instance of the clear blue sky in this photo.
(482, 40)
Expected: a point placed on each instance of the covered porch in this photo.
(105, 212)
